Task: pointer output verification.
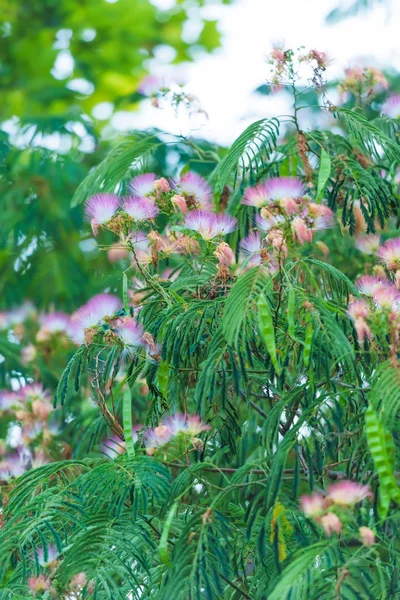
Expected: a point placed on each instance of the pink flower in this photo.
(391, 108)
(99, 209)
(157, 437)
(367, 536)
(348, 493)
(368, 244)
(194, 186)
(51, 324)
(195, 426)
(34, 391)
(313, 505)
(367, 284)
(140, 209)
(331, 523)
(209, 225)
(89, 315)
(179, 201)
(386, 296)
(130, 332)
(45, 558)
(173, 426)
(142, 185)
(39, 584)
(251, 244)
(279, 188)
(389, 254)
(150, 85)
(322, 216)
(276, 238)
(161, 185)
(114, 446)
(266, 223)
(8, 399)
(300, 231)
(358, 310)
(289, 206)
(225, 254)
(256, 196)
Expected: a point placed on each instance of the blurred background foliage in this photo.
(59, 60)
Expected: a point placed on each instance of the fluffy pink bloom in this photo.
(367, 284)
(331, 523)
(99, 209)
(39, 584)
(150, 85)
(368, 244)
(113, 446)
(358, 310)
(32, 392)
(142, 185)
(45, 558)
(276, 238)
(140, 209)
(367, 536)
(300, 231)
(209, 225)
(8, 399)
(387, 296)
(12, 466)
(389, 254)
(161, 185)
(173, 426)
(51, 324)
(130, 332)
(312, 505)
(279, 188)
(251, 244)
(193, 185)
(289, 206)
(179, 201)
(225, 254)
(157, 437)
(322, 216)
(348, 493)
(266, 223)
(195, 426)
(89, 315)
(256, 196)
(391, 108)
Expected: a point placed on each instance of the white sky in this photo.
(224, 81)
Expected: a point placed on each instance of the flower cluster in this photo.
(335, 508)
(286, 65)
(287, 215)
(381, 291)
(363, 83)
(178, 426)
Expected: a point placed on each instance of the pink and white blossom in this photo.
(300, 231)
(267, 223)
(391, 108)
(368, 244)
(312, 505)
(367, 284)
(387, 296)
(100, 209)
(279, 188)
(140, 209)
(91, 313)
(210, 225)
(389, 254)
(331, 523)
(367, 536)
(142, 185)
(348, 493)
(251, 244)
(130, 332)
(194, 186)
(225, 255)
(256, 196)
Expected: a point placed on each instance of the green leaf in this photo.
(267, 329)
(163, 546)
(127, 421)
(323, 174)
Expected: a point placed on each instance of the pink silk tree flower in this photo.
(156, 438)
(301, 232)
(331, 523)
(279, 188)
(323, 217)
(348, 493)
(142, 185)
(368, 244)
(312, 505)
(358, 311)
(256, 196)
(89, 315)
(367, 536)
(51, 324)
(265, 223)
(367, 284)
(209, 225)
(387, 296)
(161, 185)
(130, 333)
(389, 254)
(224, 254)
(195, 425)
(251, 244)
(179, 201)
(140, 209)
(195, 187)
(289, 206)
(99, 209)
(391, 108)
